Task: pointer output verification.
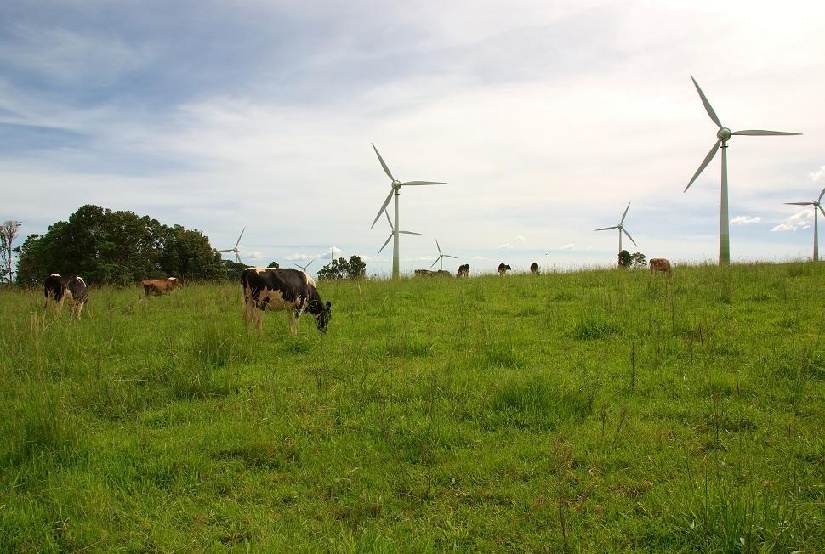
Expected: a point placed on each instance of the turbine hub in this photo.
(723, 134)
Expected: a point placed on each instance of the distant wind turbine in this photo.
(235, 249)
(441, 256)
(817, 206)
(304, 267)
(392, 232)
(395, 190)
(620, 227)
(723, 135)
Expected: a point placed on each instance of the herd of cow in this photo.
(264, 289)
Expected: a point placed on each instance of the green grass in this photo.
(596, 411)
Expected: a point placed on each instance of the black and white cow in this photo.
(534, 268)
(503, 268)
(463, 270)
(282, 289)
(60, 288)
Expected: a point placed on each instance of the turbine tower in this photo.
(817, 206)
(235, 248)
(723, 135)
(620, 227)
(395, 190)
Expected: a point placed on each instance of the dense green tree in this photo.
(355, 268)
(117, 247)
(639, 260)
(625, 259)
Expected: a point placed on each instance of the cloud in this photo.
(799, 220)
(517, 240)
(744, 220)
(818, 176)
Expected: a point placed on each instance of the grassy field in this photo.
(597, 411)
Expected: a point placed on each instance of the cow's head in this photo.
(322, 313)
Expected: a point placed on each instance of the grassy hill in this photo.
(585, 412)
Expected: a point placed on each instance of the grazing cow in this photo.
(464, 270)
(282, 289)
(660, 264)
(60, 288)
(502, 268)
(534, 268)
(424, 273)
(160, 286)
(443, 273)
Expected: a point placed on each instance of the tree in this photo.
(117, 247)
(639, 260)
(625, 259)
(8, 234)
(355, 268)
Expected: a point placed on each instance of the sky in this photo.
(544, 119)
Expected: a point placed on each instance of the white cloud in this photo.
(800, 220)
(745, 220)
(818, 176)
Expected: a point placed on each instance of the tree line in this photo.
(117, 247)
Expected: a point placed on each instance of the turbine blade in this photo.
(383, 208)
(409, 233)
(388, 219)
(436, 261)
(820, 195)
(800, 203)
(386, 242)
(821, 210)
(708, 107)
(438, 246)
(705, 163)
(760, 133)
(606, 228)
(625, 213)
(386, 169)
(628, 236)
(422, 183)
(449, 256)
(239, 237)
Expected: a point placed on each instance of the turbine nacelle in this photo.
(724, 134)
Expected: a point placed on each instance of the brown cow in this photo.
(160, 286)
(660, 264)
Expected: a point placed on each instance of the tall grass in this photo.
(590, 411)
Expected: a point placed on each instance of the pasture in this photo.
(593, 411)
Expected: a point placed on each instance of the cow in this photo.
(424, 273)
(443, 273)
(502, 268)
(282, 289)
(534, 268)
(160, 286)
(660, 264)
(463, 270)
(60, 288)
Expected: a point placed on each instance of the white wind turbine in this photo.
(395, 190)
(235, 249)
(441, 256)
(304, 267)
(620, 227)
(392, 232)
(817, 206)
(723, 135)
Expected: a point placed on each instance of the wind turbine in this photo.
(235, 248)
(392, 232)
(723, 135)
(395, 190)
(441, 256)
(817, 205)
(620, 227)
(304, 267)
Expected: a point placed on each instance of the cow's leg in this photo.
(293, 322)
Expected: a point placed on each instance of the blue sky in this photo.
(544, 119)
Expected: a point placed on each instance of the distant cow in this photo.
(463, 270)
(534, 268)
(60, 288)
(443, 273)
(282, 289)
(660, 264)
(502, 268)
(160, 286)
(424, 273)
